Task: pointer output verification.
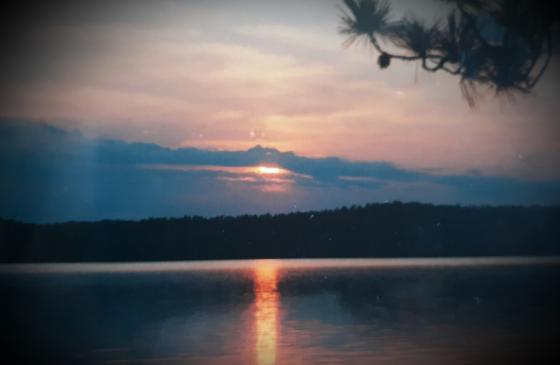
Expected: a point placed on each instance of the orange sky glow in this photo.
(224, 77)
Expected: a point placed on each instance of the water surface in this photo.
(388, 311)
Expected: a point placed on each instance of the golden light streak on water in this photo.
(266, 312)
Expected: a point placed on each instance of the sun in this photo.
(269, 170)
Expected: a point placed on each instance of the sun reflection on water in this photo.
(266, 314)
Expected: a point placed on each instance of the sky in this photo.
(225, 76)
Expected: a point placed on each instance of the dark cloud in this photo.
(49, 174)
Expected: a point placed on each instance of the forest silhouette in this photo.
(376, 230)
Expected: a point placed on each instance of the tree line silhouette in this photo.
(375, 230)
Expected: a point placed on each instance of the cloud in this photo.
(49, 174)
(229, 75)
(288, 35)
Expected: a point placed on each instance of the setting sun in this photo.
(269, 170)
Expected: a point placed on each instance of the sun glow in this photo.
(269, 170)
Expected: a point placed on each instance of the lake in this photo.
(264, 312)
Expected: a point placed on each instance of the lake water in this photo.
(264, 312)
